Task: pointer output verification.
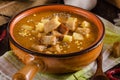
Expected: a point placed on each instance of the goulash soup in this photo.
(55, 32)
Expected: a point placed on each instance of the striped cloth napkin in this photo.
(9, 64)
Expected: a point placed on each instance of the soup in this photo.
(54, 32)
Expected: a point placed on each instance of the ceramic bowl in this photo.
(52, 63)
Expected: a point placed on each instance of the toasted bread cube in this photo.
(78, 36)
(71, 23)
(83, 31)
(49, 40)
(67, 38)
(51, 25)
(39, 27)
(85, 24)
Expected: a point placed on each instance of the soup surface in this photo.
(54, 32)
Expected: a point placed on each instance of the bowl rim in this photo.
(56, 55)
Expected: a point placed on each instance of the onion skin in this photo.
(2, 35)
(110, 74)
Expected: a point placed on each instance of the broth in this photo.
(54, 32)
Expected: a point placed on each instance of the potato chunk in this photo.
(67, 38)
(39, 27)
(77, 36)
(85, 24)
(71, 23)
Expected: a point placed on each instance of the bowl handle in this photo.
(29, 70)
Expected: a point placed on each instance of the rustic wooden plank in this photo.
(3, 20)
(12, 7)
(114, 2)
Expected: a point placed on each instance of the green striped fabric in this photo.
(9, 64)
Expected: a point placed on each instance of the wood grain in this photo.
(114, 2)
(12, 7)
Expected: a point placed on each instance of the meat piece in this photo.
(49, 40)
(39, 35)
(63, 29)
(56, 33)
(51, 25)
(83, 31)
(71, 23)
(55, 48)
(39, 48)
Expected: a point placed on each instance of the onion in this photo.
(112, 72)
(2, 35)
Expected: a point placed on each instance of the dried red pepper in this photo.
(110, 73)
(2, 35)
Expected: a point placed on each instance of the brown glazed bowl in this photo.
(53, 63)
